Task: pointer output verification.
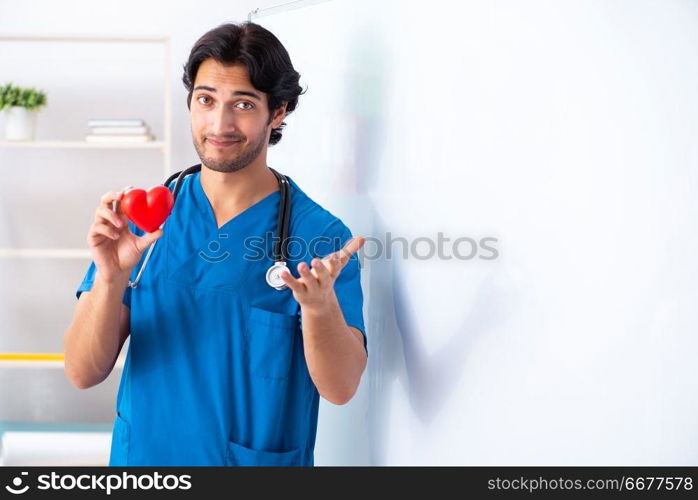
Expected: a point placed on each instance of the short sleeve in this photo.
(347, 286)
(89, 278)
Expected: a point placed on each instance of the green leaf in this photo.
(30, 98)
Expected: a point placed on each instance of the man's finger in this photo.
(108, 198)
(350, 248)
(144, 241)
(293, 283)
(320, 271)
(116, 199)
(106, 214)
(333, 264)
(307, 277)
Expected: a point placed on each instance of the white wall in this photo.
(567, 130)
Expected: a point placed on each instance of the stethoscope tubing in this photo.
(280, 245)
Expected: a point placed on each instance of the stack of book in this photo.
(118, 130)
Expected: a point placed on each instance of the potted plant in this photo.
(21, 106)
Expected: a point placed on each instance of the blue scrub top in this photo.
(215, 372)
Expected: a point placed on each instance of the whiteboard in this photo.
(564, 131)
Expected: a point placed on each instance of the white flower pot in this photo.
(20, 123)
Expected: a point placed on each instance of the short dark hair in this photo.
(267, 61)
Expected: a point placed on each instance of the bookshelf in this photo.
(164, 146)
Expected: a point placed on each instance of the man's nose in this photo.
(223, 124)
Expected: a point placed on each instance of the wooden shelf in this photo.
(8, 362)
(49, 37)
(46, 253)
(83, 145)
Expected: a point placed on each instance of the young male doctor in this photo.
(223, 369)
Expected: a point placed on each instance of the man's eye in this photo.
(202, 97)
(245, 102)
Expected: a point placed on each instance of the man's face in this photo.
(230, 119)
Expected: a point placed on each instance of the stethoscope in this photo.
(273, 275)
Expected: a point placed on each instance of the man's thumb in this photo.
(144, 241)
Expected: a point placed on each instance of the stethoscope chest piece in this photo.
(274, 275)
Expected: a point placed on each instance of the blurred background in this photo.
(531, 165)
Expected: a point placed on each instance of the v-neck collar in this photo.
(204, 205)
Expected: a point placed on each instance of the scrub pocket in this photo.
(269, 338)
(243, 456)
(119, 442)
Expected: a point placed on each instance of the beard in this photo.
(237, 161)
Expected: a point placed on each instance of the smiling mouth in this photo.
(222, 144)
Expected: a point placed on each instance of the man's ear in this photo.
(279, 115)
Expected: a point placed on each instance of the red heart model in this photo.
(147, 210)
